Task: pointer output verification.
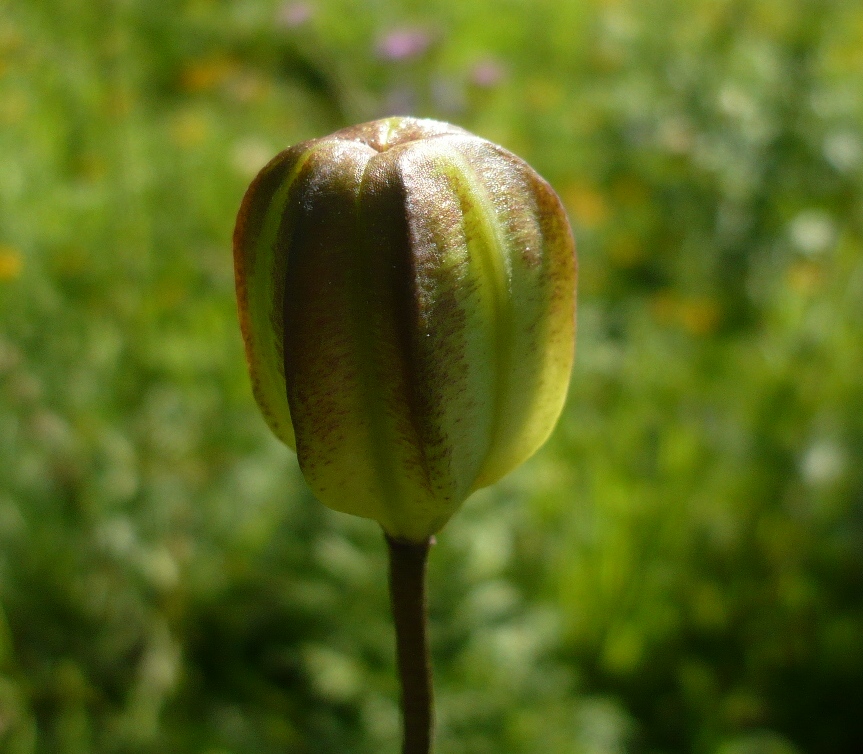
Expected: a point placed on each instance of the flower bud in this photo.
(407, 299)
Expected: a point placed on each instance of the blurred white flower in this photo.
(736, 103)
(117, 536)
(159, 568)
(334, 675)
(676, 135)
(250, 155)
(812, 232)
(843, 150)
(603, 727)
(823, 463)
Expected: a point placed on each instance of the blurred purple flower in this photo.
(292, 15)
(401, 100)
(447, 95)
(404, 43)
(487, 73)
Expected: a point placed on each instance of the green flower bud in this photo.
(407, 299)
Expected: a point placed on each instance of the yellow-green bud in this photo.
(407, 299)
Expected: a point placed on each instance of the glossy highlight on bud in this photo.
(406, 294)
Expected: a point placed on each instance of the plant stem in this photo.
(408, 597)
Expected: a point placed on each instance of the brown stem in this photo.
(408, 596)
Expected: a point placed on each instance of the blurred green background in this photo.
(680, 569)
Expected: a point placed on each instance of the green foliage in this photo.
(680, 569)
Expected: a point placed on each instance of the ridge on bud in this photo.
(406, 293)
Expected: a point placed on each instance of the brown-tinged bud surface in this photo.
(407, 300)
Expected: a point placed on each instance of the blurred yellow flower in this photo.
(207, 73)
(587, 205)
(663, 307)
(629, 191)
(118, 103)
(698, 315)
(773, 17)
(11, 262)
(92, 167)
(14, 105)
(189, 128)
(804, 277)
(626, 250)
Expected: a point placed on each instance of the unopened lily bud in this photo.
(407, 299)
